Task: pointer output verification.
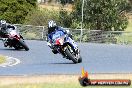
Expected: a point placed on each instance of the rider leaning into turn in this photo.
(3, 28)
(52, 29)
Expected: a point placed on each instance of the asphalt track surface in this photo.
(97, 58)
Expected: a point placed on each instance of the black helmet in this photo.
(51, 26)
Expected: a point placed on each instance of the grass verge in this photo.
(57, 81)
(67, 85)
(2, 59)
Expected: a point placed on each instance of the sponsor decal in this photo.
(84, 80)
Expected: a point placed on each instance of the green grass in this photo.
(126, 38)
(129, 27)
(58, 85)
(2, 59)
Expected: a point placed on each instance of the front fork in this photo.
(64, 49)
(74, 48)
(72, 42)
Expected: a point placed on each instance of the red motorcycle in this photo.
(14, 39)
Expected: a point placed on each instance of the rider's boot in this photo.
(54, 51)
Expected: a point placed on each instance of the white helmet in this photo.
(51, 24)
(3, 23)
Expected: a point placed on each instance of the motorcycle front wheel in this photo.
(23, 44)
(72, 56)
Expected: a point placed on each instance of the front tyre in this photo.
(70, 56)
(23, 44)
(80, 60)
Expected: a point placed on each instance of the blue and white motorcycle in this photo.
(66, 47)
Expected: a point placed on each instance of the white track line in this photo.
(10, 61)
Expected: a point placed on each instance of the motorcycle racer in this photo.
(4, 26)
(54, 30)
(3, 30)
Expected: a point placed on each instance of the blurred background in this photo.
(96, 21)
